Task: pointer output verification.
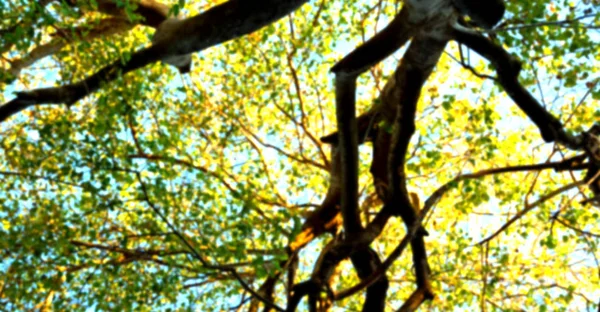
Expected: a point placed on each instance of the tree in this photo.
(232, 188)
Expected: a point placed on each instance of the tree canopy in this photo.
(318, 156)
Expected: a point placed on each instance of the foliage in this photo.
(230, 155)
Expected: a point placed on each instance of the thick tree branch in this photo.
(345, 91)
(412, 73)
(337, 252)
(592, 148)
(403, 90)
(376, 49)
(221, 23)
(366, 262)
(508, 69)
(395, 35)
(419, 61)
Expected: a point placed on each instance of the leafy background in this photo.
(231, 156)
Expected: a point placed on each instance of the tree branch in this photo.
(221, 23)
(152, 12)
(508, 69)
(530, 207)
(105, 27)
